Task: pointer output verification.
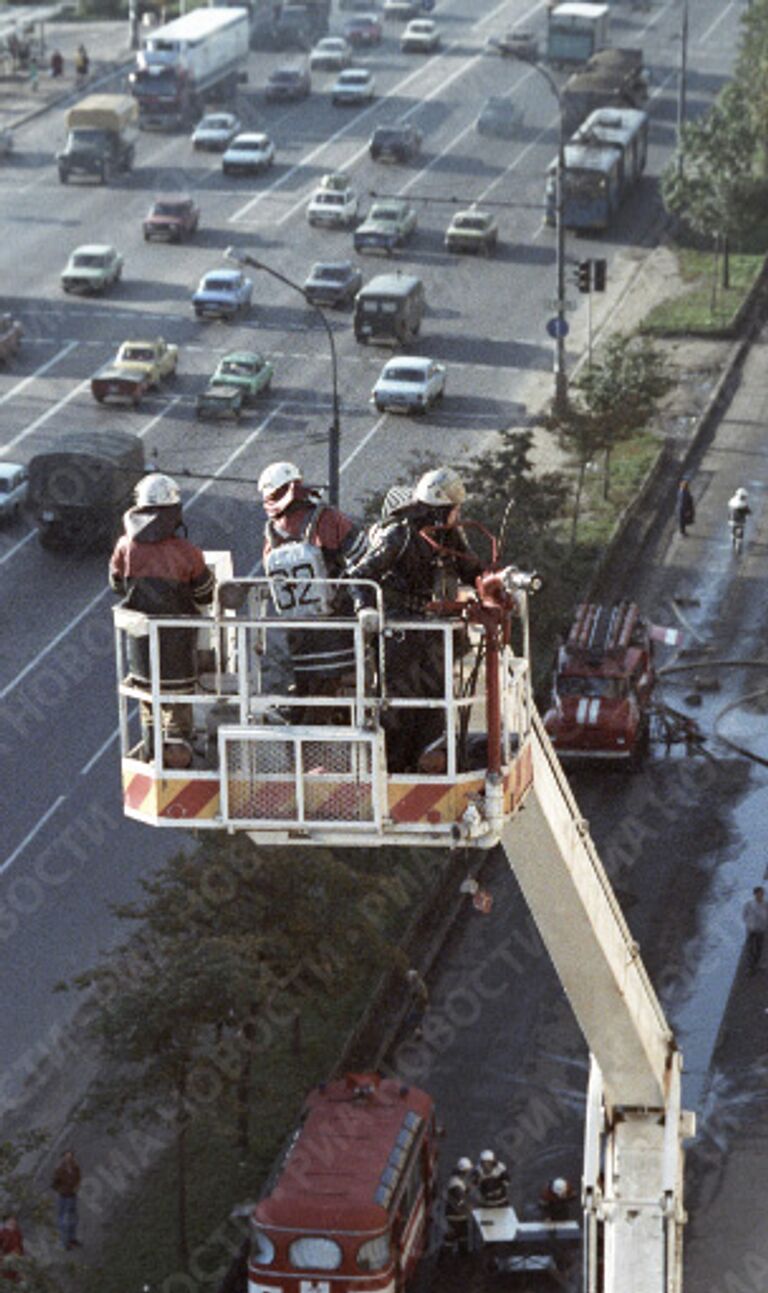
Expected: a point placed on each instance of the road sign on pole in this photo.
(558, 327)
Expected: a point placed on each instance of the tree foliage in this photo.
(709, 180)
(178, 1009)
(615, 397)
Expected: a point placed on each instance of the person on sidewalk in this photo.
(66, 1183)
(685, 507)
(418, 1002)
(57, 63)
(755, 917)
(11, 1245)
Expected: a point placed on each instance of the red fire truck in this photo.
(603, 684)
(349, 1207)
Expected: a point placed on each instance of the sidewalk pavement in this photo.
(108, 48)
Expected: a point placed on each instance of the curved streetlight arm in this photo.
(334, 436)
(561, 376)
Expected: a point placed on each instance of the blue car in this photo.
(222, 294)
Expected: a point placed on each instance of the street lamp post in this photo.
(334, 432)
(560, 403)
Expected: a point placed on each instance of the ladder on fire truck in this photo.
(313, 770)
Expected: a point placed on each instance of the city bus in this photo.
(347, 1208)
(604, 159)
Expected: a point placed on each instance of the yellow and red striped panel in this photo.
(183, 798)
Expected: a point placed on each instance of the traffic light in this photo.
(600, 275)
(584, 275)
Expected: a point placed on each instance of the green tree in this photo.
(182, 1009)
(614, 399)
(751, 78)
(709, 182)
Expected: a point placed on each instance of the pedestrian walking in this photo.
(66, 1183)
(11, 1245)
(755, 917)
(34, 74)
(418, 1001)
(685, 507)
(57, 63)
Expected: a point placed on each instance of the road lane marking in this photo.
(31, 835)
(368, 436)
(20, 386)
(11, 551)
(101, 750)
(417, 74)
(38, 422)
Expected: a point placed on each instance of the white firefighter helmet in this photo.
(487, 1158)
(463, 1166)
(740, 497)
(440, 488)
(276, 475)
(157, 490)
(559, 1187)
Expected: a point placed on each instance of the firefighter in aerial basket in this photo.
(413, 571)
(306, 544)
(159, 572)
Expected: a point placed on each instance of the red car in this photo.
(173, 217)
(363, 30)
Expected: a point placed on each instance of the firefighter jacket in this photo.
(410, 571)
(159, 573)
(492, 1186)
(305, 546)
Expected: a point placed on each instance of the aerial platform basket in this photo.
(312, 769)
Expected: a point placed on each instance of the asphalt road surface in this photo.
(66, 853)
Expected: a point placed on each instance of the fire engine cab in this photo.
(349, 1203)
(602, 686)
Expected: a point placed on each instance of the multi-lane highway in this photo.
(65, 851)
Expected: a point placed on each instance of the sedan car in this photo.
(515, 44)
(334, 283)
(409, 384)
(155, 359)
(387, 226)
(473, 231)
(500, 117)
(363, 31)
(92, 268)
(216, 131)
(421, 36)
(14, 484)
(330, 54)
(248, 154)
(399, 143)
(247, 370)
(334, 204)
(287, 84)
(222, 294)
(172, 218)
(353, 85)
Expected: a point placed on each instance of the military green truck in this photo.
(101, 137)
(79, 491)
